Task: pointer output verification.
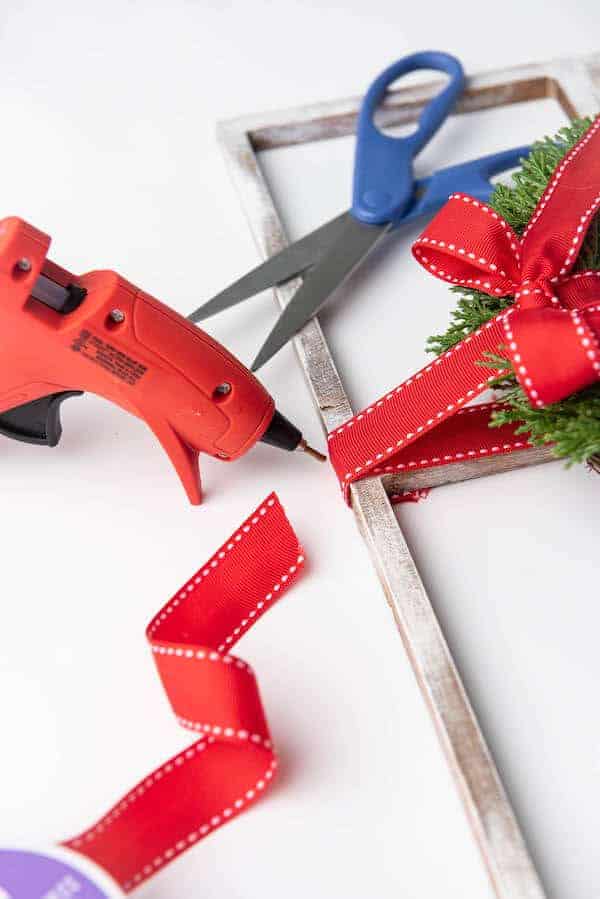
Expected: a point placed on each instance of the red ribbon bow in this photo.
(550, 333)
(552, 330)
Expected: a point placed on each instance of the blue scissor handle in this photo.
(471, 178)
(383, 174)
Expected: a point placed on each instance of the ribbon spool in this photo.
(52, 874)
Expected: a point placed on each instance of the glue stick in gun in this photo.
(63, 334)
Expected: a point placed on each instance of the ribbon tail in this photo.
(213, 694)
(375, 440)
(553, 237)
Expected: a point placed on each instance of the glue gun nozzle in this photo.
(306, 448)
(285, 435)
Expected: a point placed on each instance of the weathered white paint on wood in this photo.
(575, 84)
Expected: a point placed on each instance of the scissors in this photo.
(385, 195)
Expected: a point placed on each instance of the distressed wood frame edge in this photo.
(575, 83)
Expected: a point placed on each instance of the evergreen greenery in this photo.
(573, 425)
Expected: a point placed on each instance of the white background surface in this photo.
(108, 145)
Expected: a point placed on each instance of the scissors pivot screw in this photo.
(376, 198)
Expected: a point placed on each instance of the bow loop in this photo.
(554, 352)
(468, 243)
(580, 290)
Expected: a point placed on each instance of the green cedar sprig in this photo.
(573, 425)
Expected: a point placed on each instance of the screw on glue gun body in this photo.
(61, 334)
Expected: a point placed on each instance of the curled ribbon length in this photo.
(550, 333)
(212, 693)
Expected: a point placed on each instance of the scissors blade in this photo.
(289, 262)
(354, 243)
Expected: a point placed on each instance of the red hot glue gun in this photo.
(63, 334)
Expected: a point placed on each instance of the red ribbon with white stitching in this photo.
(550, 334)
(212, 693)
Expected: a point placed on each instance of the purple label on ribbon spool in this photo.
(32, 875)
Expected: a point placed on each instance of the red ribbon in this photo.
(550, 334)
(212, 693)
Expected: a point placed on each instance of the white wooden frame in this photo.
(575, 84)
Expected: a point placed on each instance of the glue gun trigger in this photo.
(38, 421)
